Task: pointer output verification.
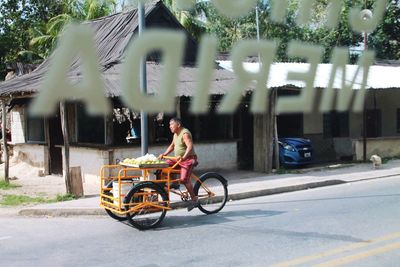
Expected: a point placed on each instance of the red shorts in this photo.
(186, 166)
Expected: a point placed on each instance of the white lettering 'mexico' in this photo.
(279, 10)
(345, 93)
(361, 22)
(185, 4)
(234, 8)
(206, 65)
(334, 8)
(365, 62)
(333, 12)
(171, 48)
(304, 102)
(304, 15)
(56, 88)
(339, 60)
(266, 50)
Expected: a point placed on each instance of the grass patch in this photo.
(65, 197)
(283, 170)
(5, 186)
(16, 200)
(387, 159)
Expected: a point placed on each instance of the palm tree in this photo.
(45, 37)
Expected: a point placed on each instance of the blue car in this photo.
(295, 151)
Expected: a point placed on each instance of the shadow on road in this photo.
(177, 222)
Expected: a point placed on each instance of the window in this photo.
(336, 124)
(34, 129)
(374, 123)
(90, 128)
(398, 120)
(212, 126)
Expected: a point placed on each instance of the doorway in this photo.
(56, 142)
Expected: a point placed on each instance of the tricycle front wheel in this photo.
(212, 191)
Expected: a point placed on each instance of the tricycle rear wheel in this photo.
(116, 216)
(140, 199)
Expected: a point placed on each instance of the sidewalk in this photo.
(241, 185)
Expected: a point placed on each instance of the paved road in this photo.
(357, 224)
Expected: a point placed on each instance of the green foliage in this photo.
(386, 39)
(387, 159)
(65, 197)
(17, 19)
(29, 28)
(205, 18)
(5, 186)
(15, 200)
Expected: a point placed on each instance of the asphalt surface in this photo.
(241, 185)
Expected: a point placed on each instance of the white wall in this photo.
(384, 147)
(17, 125)
(211, 156)
(32, 154)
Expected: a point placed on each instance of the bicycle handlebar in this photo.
(174, 158)
(169, 157)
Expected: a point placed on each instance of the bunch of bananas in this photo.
(147, 159)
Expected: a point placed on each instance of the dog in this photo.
(376, 161)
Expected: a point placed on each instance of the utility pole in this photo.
(366, 15)
(143, 84)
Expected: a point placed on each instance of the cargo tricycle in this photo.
(142, 193)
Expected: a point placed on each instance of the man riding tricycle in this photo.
(141, 191)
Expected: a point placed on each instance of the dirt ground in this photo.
(31, 184)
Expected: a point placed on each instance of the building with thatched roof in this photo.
(95, 141)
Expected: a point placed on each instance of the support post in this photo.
(275, 127)
(5, 148)
(64, 127)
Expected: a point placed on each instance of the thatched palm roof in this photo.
(112, 35)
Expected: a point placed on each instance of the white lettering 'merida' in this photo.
(171, 49)
(56, 88)
(303, 102)
(259, 104)
(345, 94)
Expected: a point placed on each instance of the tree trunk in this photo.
(64, 127)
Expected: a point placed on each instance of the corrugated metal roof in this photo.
(379, 77)
(221, 81)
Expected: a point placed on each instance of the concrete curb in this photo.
(285, 189)
(66, 212)
(62, 212)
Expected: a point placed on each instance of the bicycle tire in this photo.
(209, 204)
(147, 217)
(110, 213)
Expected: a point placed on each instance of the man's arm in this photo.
(189, 145)
(169, 150)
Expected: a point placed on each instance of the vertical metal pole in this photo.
(258, 32)
(257, 25)
(143, 84)
(365, 112)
